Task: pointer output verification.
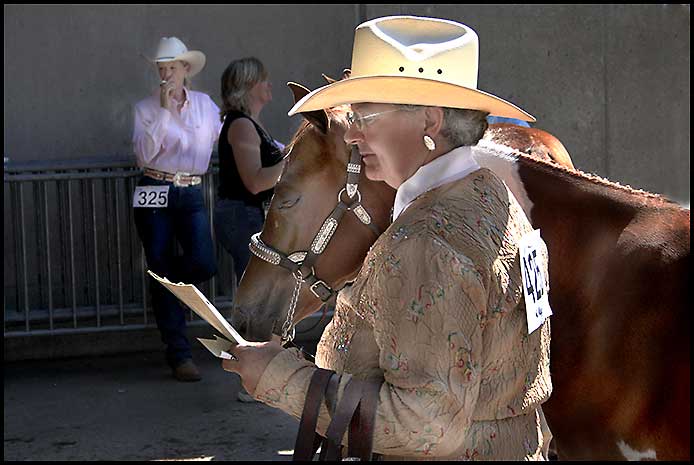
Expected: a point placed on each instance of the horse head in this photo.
(299, 220)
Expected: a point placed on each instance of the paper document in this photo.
(196, 300)
(218, 346)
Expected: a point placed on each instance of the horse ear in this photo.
(319, 118)
(328, 78)
(298, 91)
(346, 73)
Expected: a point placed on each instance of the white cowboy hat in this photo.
(172, 49)
(412, 60)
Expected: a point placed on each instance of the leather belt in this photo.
(180, 179)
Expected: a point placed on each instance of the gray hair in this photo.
(461, 127)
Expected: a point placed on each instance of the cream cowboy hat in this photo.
(412, 60)
(172, 49)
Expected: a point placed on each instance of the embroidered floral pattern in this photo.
(487, 227)
(342, 344)
(481, 188)
(400, 234)
(427, 439)
(426, 391)
(425, 299)
(398, 362)
(274, 396)
(462, 355)
(471, 454)
(392, 263)
(440, 224)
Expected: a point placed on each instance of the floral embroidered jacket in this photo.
(437, 311)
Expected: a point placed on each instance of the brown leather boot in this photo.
(187, 371)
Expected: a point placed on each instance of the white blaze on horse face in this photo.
(502, 161)
(633, 455)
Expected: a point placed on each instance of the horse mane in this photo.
(576, 175)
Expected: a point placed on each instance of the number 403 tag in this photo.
(151, 197)
(535, 291)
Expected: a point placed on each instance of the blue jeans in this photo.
(235, 223)
(185, 220)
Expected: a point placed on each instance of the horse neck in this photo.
(571, 195)
(586, 222)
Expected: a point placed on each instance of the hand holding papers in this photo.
(193, 298)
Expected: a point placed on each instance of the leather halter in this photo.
(301, 263)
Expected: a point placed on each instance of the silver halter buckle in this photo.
(325, 288)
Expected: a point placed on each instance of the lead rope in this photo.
(286, 337)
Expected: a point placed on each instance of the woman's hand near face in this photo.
(252, 361)
(166, 90)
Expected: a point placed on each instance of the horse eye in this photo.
(288, 203)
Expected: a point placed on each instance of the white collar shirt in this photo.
(447, 168)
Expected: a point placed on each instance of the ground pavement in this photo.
(128, 407)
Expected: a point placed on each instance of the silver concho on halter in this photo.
(323, 236)
(361, 213)
(297, 257)
(354, 169)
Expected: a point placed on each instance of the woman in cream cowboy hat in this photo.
(438, 307)
(175, 131)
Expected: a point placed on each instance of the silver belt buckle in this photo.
(177, 179)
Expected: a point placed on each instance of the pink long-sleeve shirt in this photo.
(176, 143)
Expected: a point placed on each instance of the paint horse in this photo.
(619, 266)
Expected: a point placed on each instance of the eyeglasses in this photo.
(362, 121)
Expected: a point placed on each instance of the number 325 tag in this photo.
(151, 197)
(535, 291)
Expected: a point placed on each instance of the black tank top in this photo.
(230, 184)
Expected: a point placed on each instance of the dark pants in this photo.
(235, 223)
(185, 220)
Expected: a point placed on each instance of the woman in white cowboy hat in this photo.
(439, 308)
(175, 131)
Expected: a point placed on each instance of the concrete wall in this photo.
(610, 81)
(72, 73)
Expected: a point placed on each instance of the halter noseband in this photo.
(300, 263)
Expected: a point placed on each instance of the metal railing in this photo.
(73, 260)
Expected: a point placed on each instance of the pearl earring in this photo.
(429, 142)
